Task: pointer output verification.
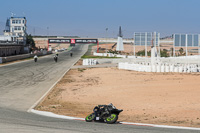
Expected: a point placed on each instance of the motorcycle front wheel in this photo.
(112, 119)
(90, 117)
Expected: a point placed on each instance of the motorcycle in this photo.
(104, 113)
(55, 58)
(35, 58)
(71, 54)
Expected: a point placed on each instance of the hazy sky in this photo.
(90, 18)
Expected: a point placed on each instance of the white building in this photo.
(15, 26)
(15, 30)
(13, 41)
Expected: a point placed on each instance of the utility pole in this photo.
(47, 32)
(34, 31)
(106, 39)
(47, 39)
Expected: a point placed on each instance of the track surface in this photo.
(23, 83)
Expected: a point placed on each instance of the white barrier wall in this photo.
(89, 62)
(22, 56)
(171, 64)
(145, 67)
(195, 59)
(111, 55)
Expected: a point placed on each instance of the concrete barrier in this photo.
(158, 67)
(176, 69)
(148, 68)
(180, 69)
(112, 55)
(145, 67)
(171, 68)
(162, 69)
(89, 62)
(167, 68)
(23, 56)
(188, 68)
(185, 68)
(153, 68)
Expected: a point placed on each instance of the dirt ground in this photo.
(156, 98)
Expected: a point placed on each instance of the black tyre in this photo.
(90, 117)
(112, 119)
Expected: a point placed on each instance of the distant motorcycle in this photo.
(35, 58)
(55, 58)
(104, 113)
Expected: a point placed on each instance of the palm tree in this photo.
(181, 51)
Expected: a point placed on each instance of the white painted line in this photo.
(161, 126)
(50, 114)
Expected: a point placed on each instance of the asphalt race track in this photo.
(23, 83)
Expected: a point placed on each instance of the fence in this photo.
(147, 67)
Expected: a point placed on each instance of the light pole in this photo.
(47, 39)
(106, 38)
(47, 32)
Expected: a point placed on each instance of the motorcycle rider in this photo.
(107, 113)
(55, 58)
(35, 58)
(57, 54)
(56, 51)
(71, 54)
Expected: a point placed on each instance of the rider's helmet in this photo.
(111, 105)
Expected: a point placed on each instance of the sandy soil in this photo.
(157, 98)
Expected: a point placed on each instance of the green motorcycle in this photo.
(104, 113)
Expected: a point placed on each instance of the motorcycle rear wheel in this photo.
(90, 117)
(112, 119)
